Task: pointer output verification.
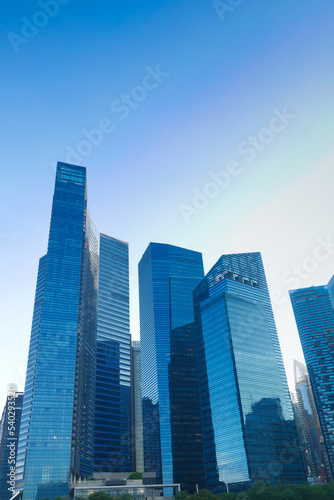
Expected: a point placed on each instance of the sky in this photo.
(206, 125)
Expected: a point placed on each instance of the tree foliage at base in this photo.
(136, 475)
(264, 491)
(101, 495)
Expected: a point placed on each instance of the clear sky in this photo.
(215, 134)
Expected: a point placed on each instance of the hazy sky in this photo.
(205, 125)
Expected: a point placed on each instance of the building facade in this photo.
(9, 434)
(308, 426)
(185, 405)
(314, 316)
(118, 487)
(137, 407)
(112, 440)
(249, 430)
(56, 443)
(167, 278)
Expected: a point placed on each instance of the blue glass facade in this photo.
(30, 375)
(185, 409)
(167, 277)
(137, 407)
(53, 387)
(112, 450)
(314, 315)
(76, 333)
(84, 394)
(249, 430)
(308, 426)
(9, 435)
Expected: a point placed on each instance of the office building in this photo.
(249, 431)
(314, 316)
(308, 426)
(172, 426)
(137, 407)
(9, 434)
(70, 339)
(185, 407)
(112, 438)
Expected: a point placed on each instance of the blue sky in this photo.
(224, 82)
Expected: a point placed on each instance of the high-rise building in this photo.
(171, 409)
(112, 439)
(314, 316)
(69, 337)
(308, 426)
(249, 431)
(137, 415)
(9, 434)
(185, 408)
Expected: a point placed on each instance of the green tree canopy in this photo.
(181, 495)
(265, 491)
(136, 475)
(124, 496)
(100, 495)
(203, 495)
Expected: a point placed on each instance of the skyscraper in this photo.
(249, 431)
(112, 443)
(137, 416)
(308, 425)
(9, 434)
(172, 435)
(314, 316)
(56, 444)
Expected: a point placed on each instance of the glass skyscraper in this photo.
(308, 425)
(249, 431)
(112, 443)
(56, 444)
(314, 315)
(172, 428)
(137, 406)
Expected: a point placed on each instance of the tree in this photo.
(100, 495)
(203, 495)
(259, 491)
(265, 491)
(329, 490)
(136, 475)
(124, 496)
(310, 492)
(181, 495)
